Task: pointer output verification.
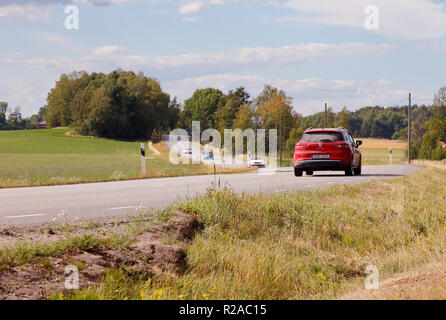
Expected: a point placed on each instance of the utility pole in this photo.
(326, 116)
(409, 129)
(280, 139)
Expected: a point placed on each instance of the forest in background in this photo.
(125, 105)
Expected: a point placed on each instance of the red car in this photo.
(327, 150)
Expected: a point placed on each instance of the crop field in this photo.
(376, 151)
(51, 157)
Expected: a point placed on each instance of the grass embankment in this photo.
(308, 244)
(51, 157)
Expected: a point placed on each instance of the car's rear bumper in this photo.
(321, 165)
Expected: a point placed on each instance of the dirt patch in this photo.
(428, 282)
(147, 256)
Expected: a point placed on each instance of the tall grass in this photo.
(313, 244)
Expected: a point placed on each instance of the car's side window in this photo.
(351, 139)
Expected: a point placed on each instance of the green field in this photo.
(50, 157)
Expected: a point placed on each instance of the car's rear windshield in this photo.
(322, 137)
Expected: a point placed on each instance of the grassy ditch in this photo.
(302, 245)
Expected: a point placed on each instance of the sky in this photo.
(349, 53)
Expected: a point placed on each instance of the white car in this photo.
(260, 163)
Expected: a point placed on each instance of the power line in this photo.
(398, 103)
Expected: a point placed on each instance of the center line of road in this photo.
(25, 216)
(121, 208)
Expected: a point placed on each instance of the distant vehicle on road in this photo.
(187, 151)
(331, 149)
(256, 162)
(208, 155)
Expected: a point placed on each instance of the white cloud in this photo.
(227, 60)
(308, 94)
(413, 20)
(28, 11)
(28, 94)
(434, 46)
(108, 50)
(53, 38)
(196, 6)
(40, 10)
(190, 18)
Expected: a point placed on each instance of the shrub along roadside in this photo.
(313, 244)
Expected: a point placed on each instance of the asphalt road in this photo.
(93, 200)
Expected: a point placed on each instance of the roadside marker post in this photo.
(409, 129)
(143, 160)
(390, 153)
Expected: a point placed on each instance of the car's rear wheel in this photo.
(350, 170)
(309, 173)
(298, 173)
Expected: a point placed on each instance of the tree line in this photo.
(126, 105)
(12, 119)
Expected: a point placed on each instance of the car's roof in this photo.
(325, 129)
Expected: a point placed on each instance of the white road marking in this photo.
(25, 216)
(121, 208)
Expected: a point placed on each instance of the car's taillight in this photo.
(344, 145)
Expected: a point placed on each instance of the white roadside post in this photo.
(143, 160)
(390, 154)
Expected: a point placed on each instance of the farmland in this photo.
(376, 151)
(52, 157)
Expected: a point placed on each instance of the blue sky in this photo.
(315, 50)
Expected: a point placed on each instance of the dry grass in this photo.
(425, 283)
(374, 143)
(302, 245)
